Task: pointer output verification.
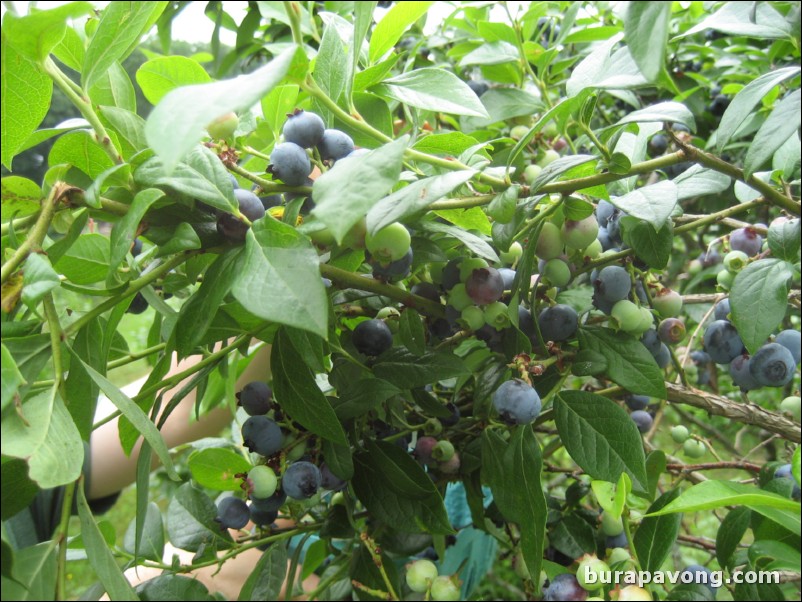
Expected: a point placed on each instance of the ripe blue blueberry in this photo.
(564, 587)
(335, 145)
(741, 375)
(651, 340)
(290, 164)
(372, 337)
(637, 402)
(485, 286)
(604, 211)
(558, 323)
(250, 206)
(722, 311)
(232, 513)
(722, 342)
(304, 129)
(301, 480)
(270, 504)
(663, 357)
(746, 240)
(643, 420)
(517, 402)
(393, 271)
(262, 517)
(261, 435)
(255, 398)
(613, 284)
(772, 365)
(508, 276)
(791, 340)
(330, 481)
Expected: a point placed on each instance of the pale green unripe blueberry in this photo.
(550, 242)
(680, 433)
(458, 297)
(390, 243)
(667, 303)
(725, 279)
(550, 156)
(496, 314)
(557, 272)
(443, 451)
(531, 173)
(735, 261)
(693, 448)
(633, 593)
(619, 556)
(627, 316)
(793, 406)
(445, 590)
(593, 250)
(473, 317)
(579, 234)
(223, 127)
(420, 575)
(518, 132)
(513, 254)
(590, 572)
(262, 482)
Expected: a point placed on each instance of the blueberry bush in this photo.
(530, 275)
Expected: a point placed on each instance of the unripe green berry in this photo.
(557, 272)
(693, 448)
(391, 243)
(611, 525)
(550, 242)
(262, 482)
(473, 317)
(550, 156)
(618, 556)
(667, 303)
(725, 279)
(443, 451)
(467, 267)
(444, 589)
(496, 315)
(432, 427)
(735, 261)
(579, 234)
(458, 297)
(518, 132)
(420, 575)
(513, 254)
(593, 565)
(680, 433)
(593, 250)
(627, 315)
(223, 127)
(531, 173)
(792, 406)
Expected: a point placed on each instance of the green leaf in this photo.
(711, 494)
(179, 121)
(80, 150)
(619, 164)
(759, 20)
(135, 415)
(673, 112)
(698, 181)
(555, 169)
(266, 580)
(493, 53)
(363, 18)
(656, 535)
(339, 459)
(129, 127)
(114, 88)
(629, 363)
(784, 240)
(71, 50)
(411, 332)
(374, 485)
(612, 497)
(281, 101)
(434, 89)
(297, 393)
(331, 63)
(655, 467)
(502, 208)
(151, 545)
(39, 279)
(573, 536)
(413, 198)
(20, 197)
(512, 470)
(113, 176)
(25, 93)
(279, 278)
(11, 379)
(124, 231)
(600, 437)
(774, 132)
(163, 74)
(730, 534)
(121, 25)
(347, 192)
(605, 68)
(448, 143)
(169, 586)
(189, 181)
(654, 203)
(87, 260)
(406, 370)
(758, 300)
(505, 103)
(652, 247)
(358, 397)
(367, 78)
(743, 104)
(18, 491)
(81, 390)
(35, 35)
(190, 521)
(468, 219)
(471, 241)
(395, 21)
(215, 468)
(646, 27)
(46, 438)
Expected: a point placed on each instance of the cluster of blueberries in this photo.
(262, 435)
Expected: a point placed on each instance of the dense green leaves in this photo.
(646, 26)
(434, 89)
(160, 75)
(657, 535)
